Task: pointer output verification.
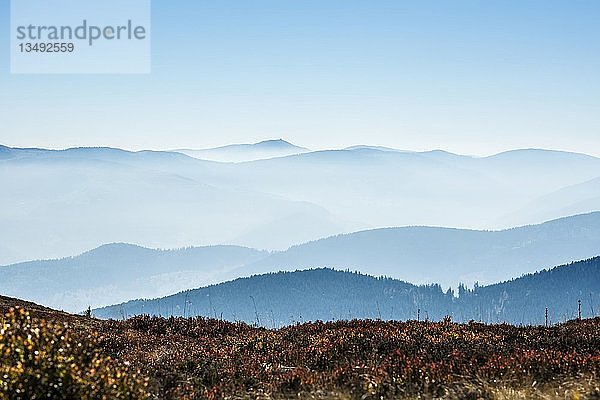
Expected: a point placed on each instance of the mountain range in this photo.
(56, 203)
(286, 298)
(118, 272)
(443, 255)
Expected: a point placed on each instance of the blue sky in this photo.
(467, 76)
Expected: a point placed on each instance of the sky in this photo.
(472, 77)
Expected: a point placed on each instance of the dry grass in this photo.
(204, 358)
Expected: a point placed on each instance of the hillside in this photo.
(115, 273)
(524, 300)
(287, 297)
(446, 256)
(323, 294)
(119, 271)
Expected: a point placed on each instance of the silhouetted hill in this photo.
(118, 272)
(524, 300)
(122, 271)
(324, 294)
(443, 255)
(287, 297)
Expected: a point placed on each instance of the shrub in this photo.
(40, 360)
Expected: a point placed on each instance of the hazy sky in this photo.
(466, 76)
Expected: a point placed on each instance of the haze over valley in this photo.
(119, 272)
(60, 203)
(101, 221)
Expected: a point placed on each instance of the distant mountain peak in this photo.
(367, 147)
(119, 245)
(269, 144)
(247, 152)
(280, 143)
(115, 248)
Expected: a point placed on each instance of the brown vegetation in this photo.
(206, 358)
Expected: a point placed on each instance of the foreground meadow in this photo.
(47, 354)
